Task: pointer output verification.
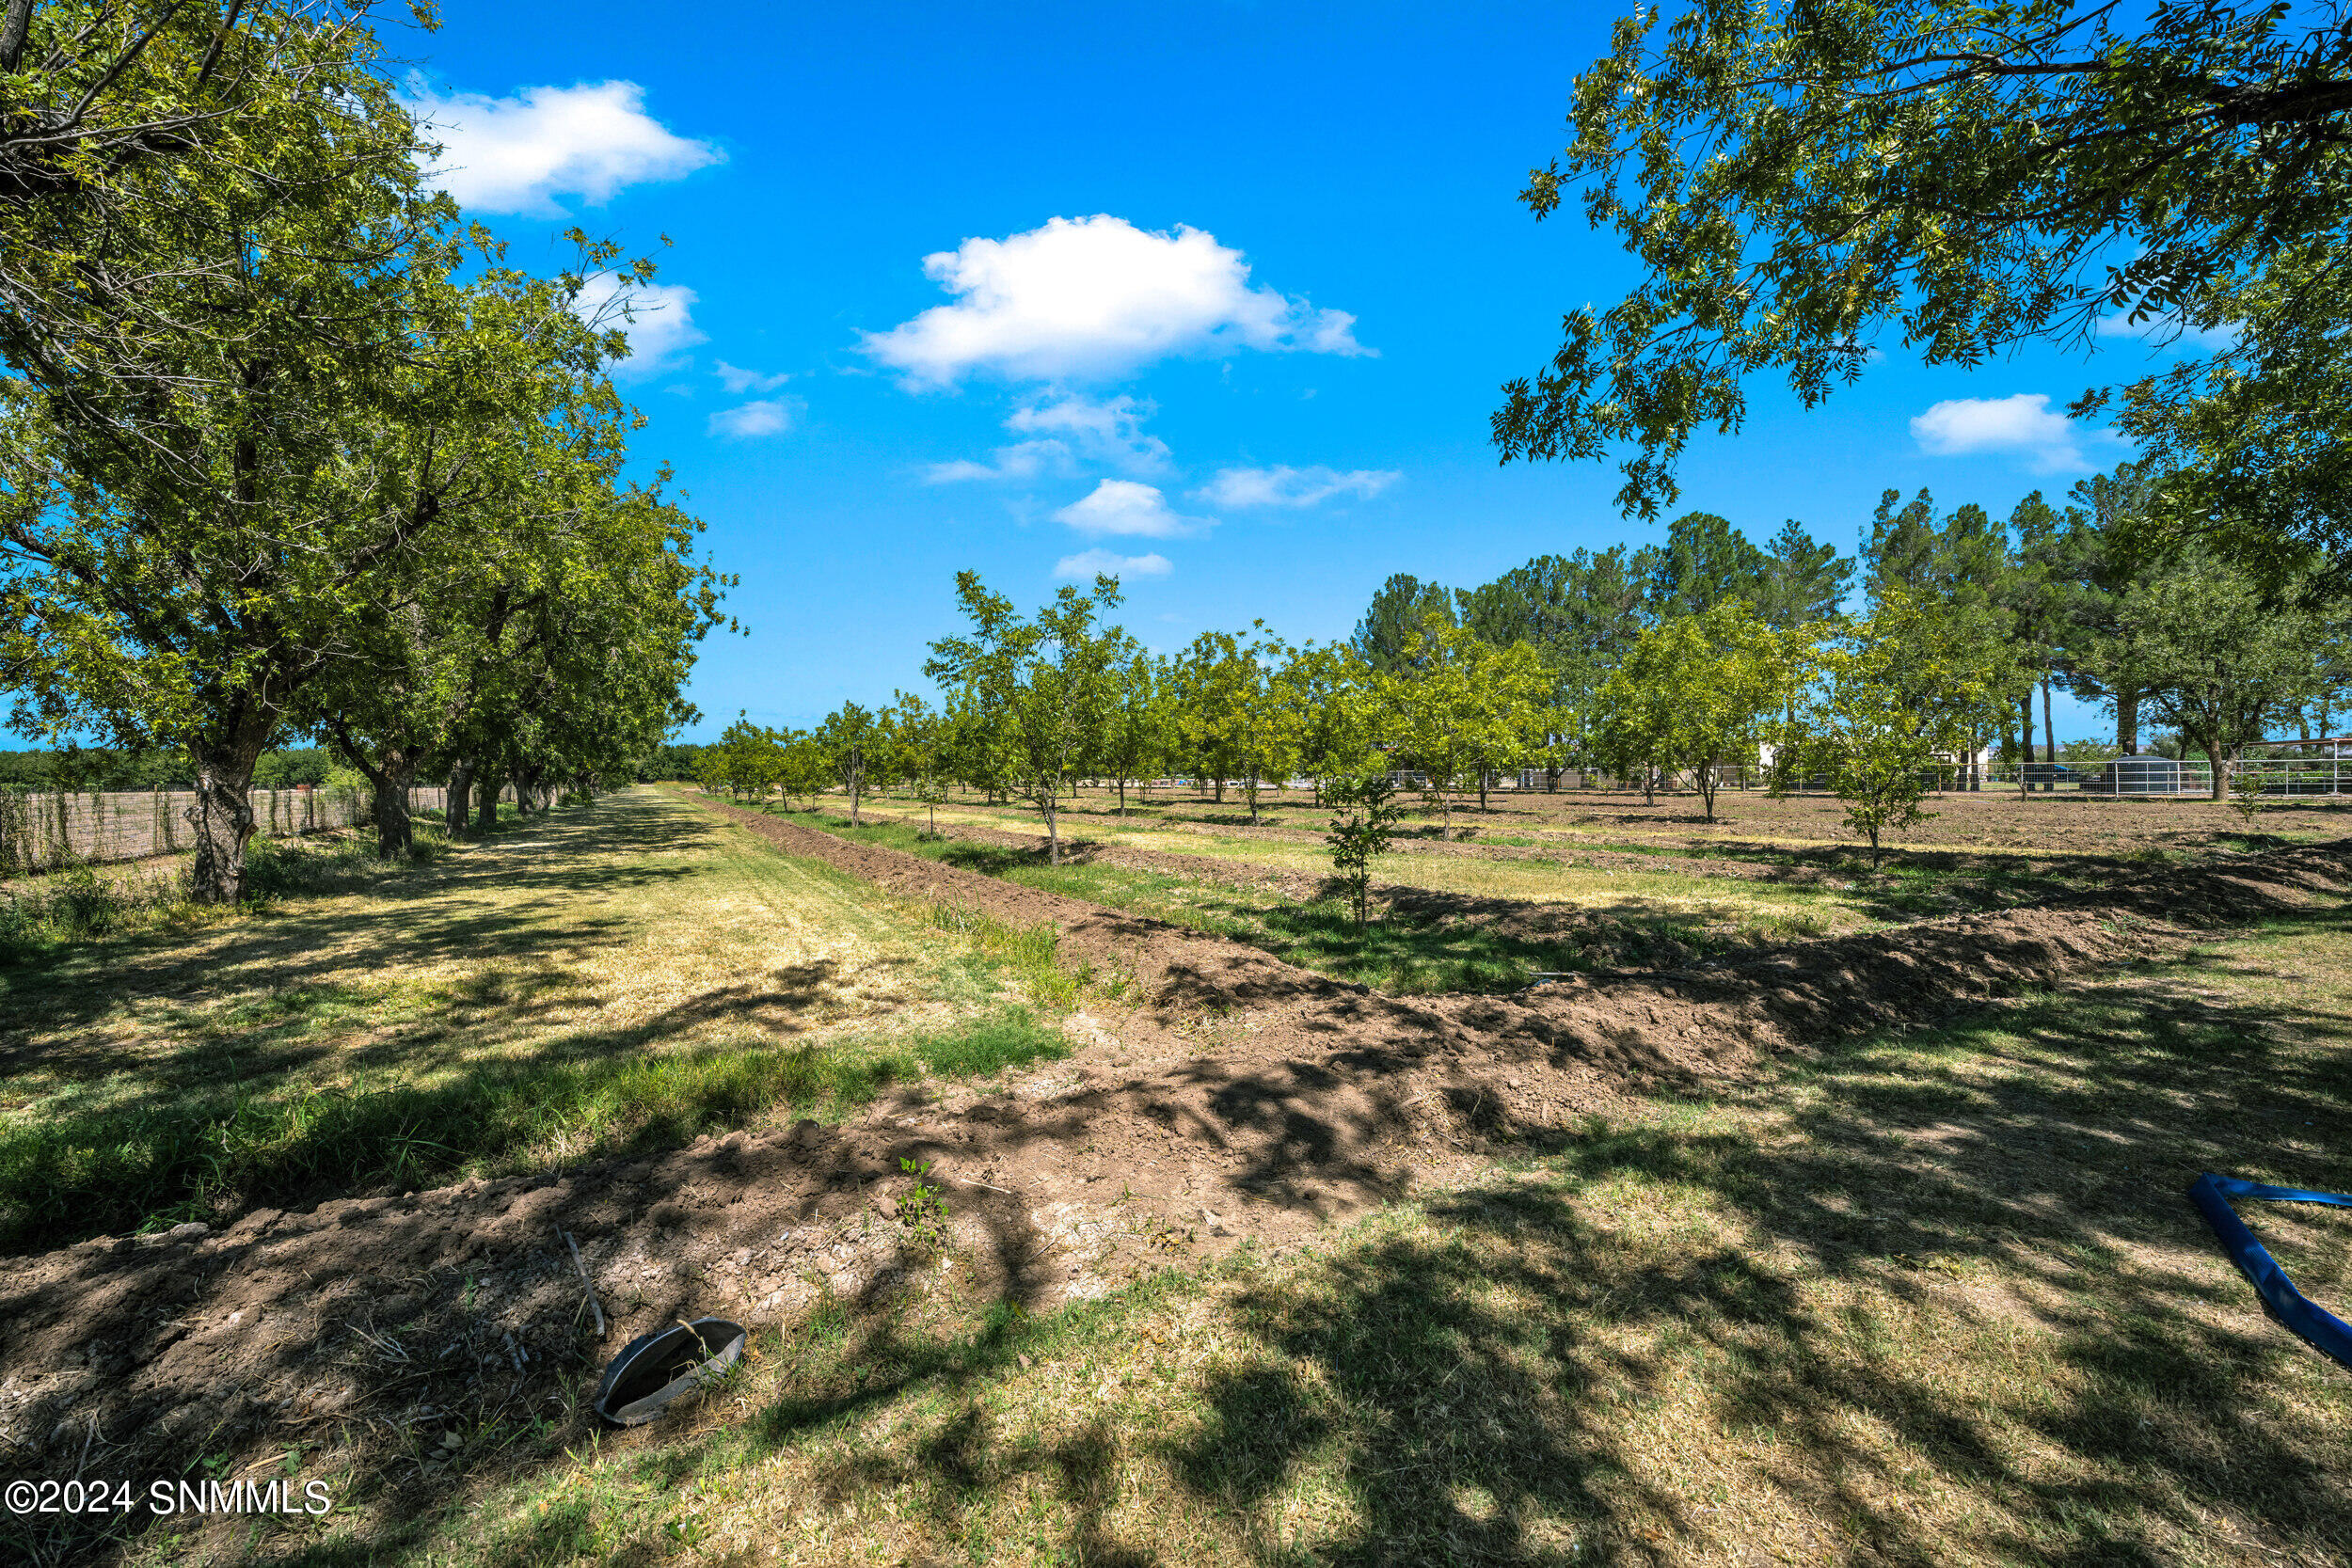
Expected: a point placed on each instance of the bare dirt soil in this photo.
(2067, 823)
(1226, 1096)
(1589, 931)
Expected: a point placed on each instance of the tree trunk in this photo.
(2024, 749)
(485, 803)
(1220, 789)
(2216, 772)
(1481, 792)
(2049, 732)
(457, 801)
(2127, 720)
(222, 812)
(1122, 795)
(1052, 828)
(395, 835)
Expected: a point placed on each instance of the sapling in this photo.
(2246, 791)
(1366, 821)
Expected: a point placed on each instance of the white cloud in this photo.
(739, 380)
(517, 154)
(1124, 506)
(1090, 564)
(2167, 333)
(2024, 424)
(1065, 433)
(1096, 297)
(1293, 487)
(658, 319)
(751, 420)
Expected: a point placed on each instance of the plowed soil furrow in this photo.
(1234, 1096)
(1527, 919)
(1558, 850)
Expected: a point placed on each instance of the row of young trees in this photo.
(1671, 662)
(288, 449)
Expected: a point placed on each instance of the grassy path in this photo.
(1485, 925)
(623, 976)
(1935, 1298)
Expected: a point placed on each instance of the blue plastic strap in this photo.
(2235, 1187)
(2330, 1334)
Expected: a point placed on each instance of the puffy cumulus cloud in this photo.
(1065, 433)
(1093, 563)
(736, 379)
(2024, 425)
(517, 154)
(749, 421)
(1293, 487)
(1095, 298)
(657, 318)
(1124, 506)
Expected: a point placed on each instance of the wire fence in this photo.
(2163, 776)
(40, 833)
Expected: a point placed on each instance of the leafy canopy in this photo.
(1802, 180)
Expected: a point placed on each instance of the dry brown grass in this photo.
(631, 970)
(1930, 1299)
(1775, 908)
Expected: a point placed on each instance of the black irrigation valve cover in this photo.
(655, 1369)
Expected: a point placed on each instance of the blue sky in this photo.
(1224, 291)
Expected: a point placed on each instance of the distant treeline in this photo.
(98, 768)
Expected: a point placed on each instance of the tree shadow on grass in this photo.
(1934, 1297)
(2018, 1174)
(215, 1116)
(1925, 1298)
(289, 947)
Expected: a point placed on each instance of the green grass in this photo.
(1401, 953)
(1799, 890)
(48, 914)
(1931, 1298)
(202, 1157)
(615, 979)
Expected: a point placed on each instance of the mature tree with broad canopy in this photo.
(1806, 179)
(2220, 661)
(194, 517)
(133, 139)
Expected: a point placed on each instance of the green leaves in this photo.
(1890, 700)
(1695, 692)
(292, 450)
(1803, 182)
(1365, 822)
(1032, 696)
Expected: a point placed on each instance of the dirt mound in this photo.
(1595, 937)
(1239, 1099)
(1556, 849)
